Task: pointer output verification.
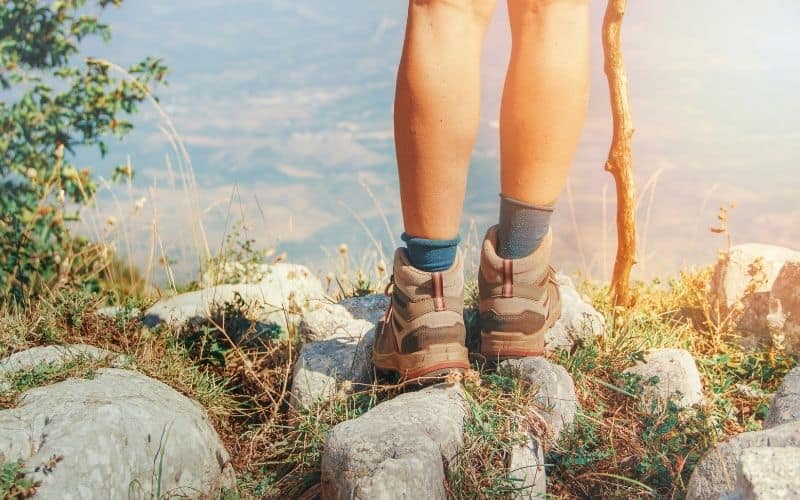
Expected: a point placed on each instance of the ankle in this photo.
(431, 255)
(522, 227)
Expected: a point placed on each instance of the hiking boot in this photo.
(519, 300)
(422, 334)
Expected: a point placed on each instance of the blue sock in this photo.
(431, 255)
(522, 227)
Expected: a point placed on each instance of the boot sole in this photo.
(497, 346)
(426, 366)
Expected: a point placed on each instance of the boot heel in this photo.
(505, 345)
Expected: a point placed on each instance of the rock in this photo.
(115, 311)
(399, 449)
(783, 318)
(339, 362)
(753, 286)
(786, 403)
(234, 272)
(717, 472)
(328, 321)
(579, 320)
(768, 473)
(526, 469)
(340, 354)
(54, 356)
(677, 379)
(369, 308)
(117, 435)
(750, 266)
(287, 290)
(555, 402)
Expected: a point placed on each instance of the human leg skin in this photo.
(422, 335)
(542, 113)
(436, 112)
(545, 97)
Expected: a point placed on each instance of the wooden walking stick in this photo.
(620, 163)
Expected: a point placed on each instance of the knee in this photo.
(481, 10)
(523, 12)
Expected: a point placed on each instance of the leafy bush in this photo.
(52, 106)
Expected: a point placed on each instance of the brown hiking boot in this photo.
(422, 335)
(519, 300)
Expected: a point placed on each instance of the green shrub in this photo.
(52, 107)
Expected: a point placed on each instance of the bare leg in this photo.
(545, 96)
(436, 112)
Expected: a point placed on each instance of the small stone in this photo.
(579, 321)
(769, 473)
(717, 472)
(399, 449)
(322, 367)
(526, 469)
(111, 437)
(555, 402)
(786, 403)
(676, 376)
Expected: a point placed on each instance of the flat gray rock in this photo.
(118, 435)
(678, 379)
(716, 475)
(287, 291)
(53, 356)
(526, 469)
(399, 449)
(768, 474)
(786, 403)
(555, 401)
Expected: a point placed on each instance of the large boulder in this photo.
(399, 449)
(281, 297)
(768, 474)
(757, 287)
(717, 473)
(119, 435)
(786, 403)
(668, 375)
